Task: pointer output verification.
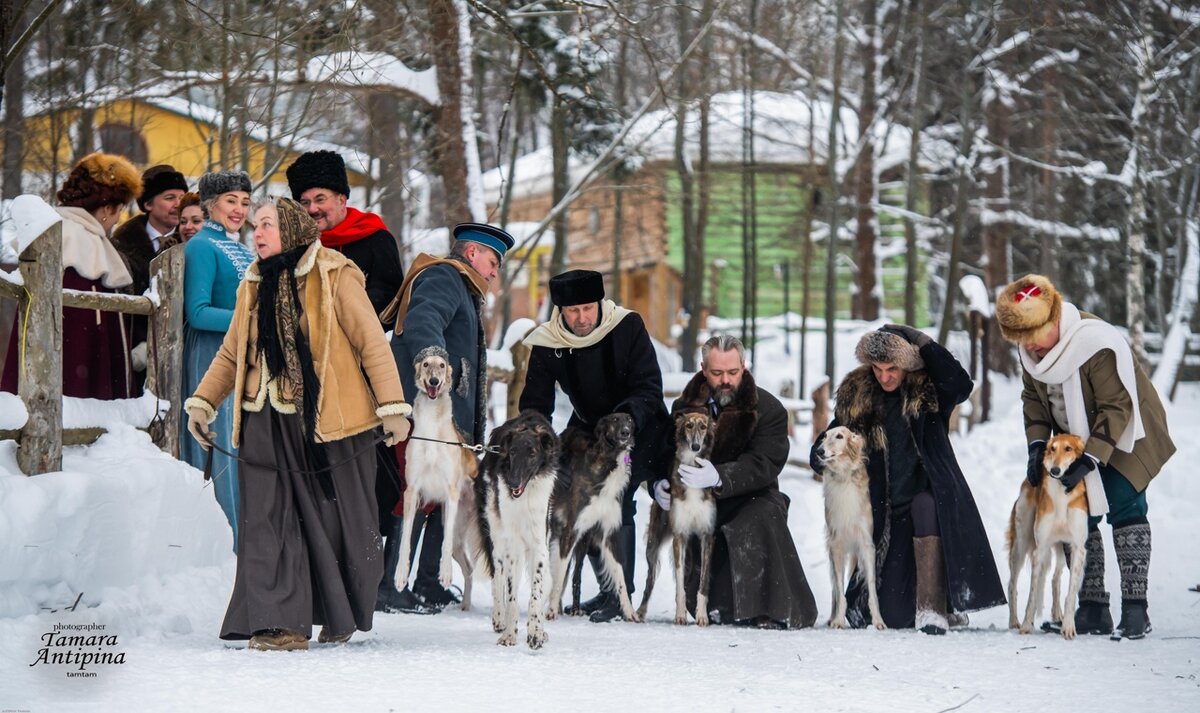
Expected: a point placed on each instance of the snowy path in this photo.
(167, 628)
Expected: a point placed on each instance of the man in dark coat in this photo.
(932, 553)
(318, 181)
(139, 240)
(757, 578)
(440, 305)
(601, 356)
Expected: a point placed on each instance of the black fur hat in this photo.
(880, 347)
(576, 287)
(318, 169)
(160, 179)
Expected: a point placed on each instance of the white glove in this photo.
(137, 355)
(197, 425)
(662, 494)
(702, 475)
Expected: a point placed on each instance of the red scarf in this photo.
(356, 226)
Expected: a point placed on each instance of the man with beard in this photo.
(318, 181)
(602, 358)
(757, 578)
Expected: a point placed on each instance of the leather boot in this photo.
(624, 546)
(1132, 543)
(387, 598)
(931, 585)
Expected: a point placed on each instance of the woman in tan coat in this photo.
(303, 335)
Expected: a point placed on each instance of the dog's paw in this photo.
(1014, 624)
(1025, 629)
(509, 638)
(839, 623)
(636, 617)
(536, 638)
(446, 577)
(574, 611)
(879, 625)
(681, 620)
(497, 623)
(701, 619)
(1068, 630)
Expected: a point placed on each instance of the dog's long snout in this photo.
(695, 448)
(1055, 471)
(821, 451)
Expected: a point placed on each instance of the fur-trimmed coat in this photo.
(929, 397)
(359, 382)
(756, 569)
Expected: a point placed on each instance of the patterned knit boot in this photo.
(1092, 616)
(1132, 542)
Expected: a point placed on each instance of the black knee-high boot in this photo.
(1132, 543)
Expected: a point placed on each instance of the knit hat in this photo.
(218, 182)
(487, 235)
(296, 227)
(576, 287)
(880, 347)
(160, 179)
(100, 179)
(1028, 308)
(318, 169)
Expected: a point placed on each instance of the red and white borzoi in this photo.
(1043, 520)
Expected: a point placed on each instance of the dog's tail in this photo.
(484, 565)
(1010, 537)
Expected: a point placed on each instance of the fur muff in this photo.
(1028, 308)
(880, 347)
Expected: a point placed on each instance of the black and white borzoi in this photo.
(586, 507)
(513, 495)
(693, 513)
(848, 521)
(437, 472)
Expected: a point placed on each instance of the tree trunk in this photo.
(383, 115)
(961, 204)
(560, 148)
(996, 269)
(834, 190)
(451, 122)
(867, 306)
(1047, 259)
(693, 266)
(1135, 296)
(912, 174)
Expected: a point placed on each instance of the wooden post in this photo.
(820, 414)
(984, 367)
(164, 354)
(40, 379)
(516, 380)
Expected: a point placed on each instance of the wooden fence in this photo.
(40, 349)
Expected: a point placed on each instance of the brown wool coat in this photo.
(1109, 409)
(344, 336)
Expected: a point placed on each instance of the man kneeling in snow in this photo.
(757, 578)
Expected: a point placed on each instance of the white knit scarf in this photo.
(556, 335)
(1079, 340)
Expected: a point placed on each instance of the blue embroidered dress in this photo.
(214, 264)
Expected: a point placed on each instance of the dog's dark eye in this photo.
(839, 436)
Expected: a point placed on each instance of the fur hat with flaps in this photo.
(217, 183)
(1028, 308)
(880, 347)
(100, 179)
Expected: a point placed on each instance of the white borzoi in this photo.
(586, 506)
(513, 494)
(848, 521)
(439, 473)
(1043, 520)
(693, 513)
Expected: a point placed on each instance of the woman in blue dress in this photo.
(215, 261)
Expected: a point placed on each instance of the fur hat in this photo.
(318, 169)
(880, 347)
(160, 179)
(1028, 308)
(576, 287)
(218, 182)
(100, 179)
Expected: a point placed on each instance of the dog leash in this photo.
(477, 448)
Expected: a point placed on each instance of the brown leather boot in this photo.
(325, 637)
(931, 585)
(279, 640)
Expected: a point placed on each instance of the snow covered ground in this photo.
(145, 543)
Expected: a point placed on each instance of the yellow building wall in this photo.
(172, 138)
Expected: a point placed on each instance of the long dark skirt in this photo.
(303, 559)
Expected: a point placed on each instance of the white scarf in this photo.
(1079, 340)
(556, 335)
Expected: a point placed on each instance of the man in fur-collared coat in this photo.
(933, 559)
(757, 578)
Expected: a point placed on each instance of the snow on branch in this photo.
(374, 69)
(991, 54)
(1049, 227)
